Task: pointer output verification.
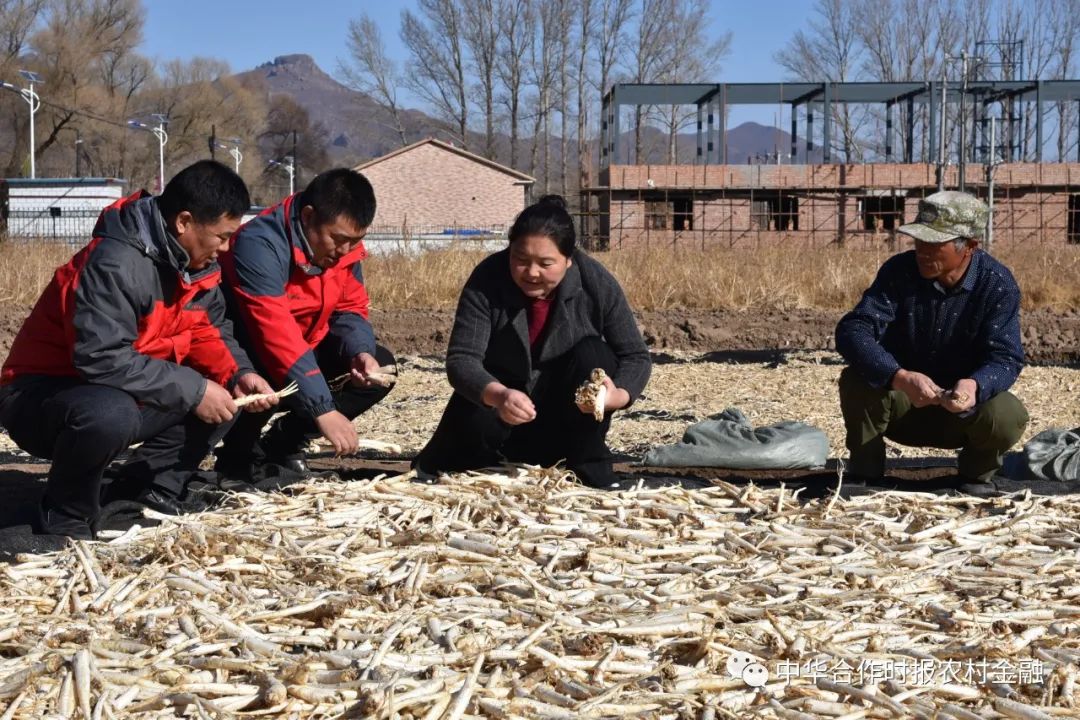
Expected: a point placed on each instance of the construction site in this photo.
(987, 137)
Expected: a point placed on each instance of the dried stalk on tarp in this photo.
(520, 593)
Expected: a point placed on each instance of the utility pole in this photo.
(162, 136)
(991, 166)
(294, 155)
(34, 101)
(962, 149)
(78, 153)
(941, 125)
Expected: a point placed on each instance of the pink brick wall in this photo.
(432, 186)
(1031, 201)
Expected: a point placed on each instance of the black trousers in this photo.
(470, 437)
(291, 433)
(82, 427)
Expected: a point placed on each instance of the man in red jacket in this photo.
(128, 343)
(296, 294)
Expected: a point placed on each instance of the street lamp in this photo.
(288, 165)
(237, 156)
(162, 136)
(33, 100)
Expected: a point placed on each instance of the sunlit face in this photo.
(939, 261)
(330, 241)
(537, 266)
(203, 241)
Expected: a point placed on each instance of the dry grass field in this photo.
(721, 279)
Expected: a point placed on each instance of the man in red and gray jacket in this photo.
(128, 343)
(296, 294)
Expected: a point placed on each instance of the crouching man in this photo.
(129, 343)
(296, 292)
(933, 347)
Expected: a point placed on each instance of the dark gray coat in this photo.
(490, 339)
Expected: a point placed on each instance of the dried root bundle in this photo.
(593, 394)
(255, 397)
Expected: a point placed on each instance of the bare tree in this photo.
(652, 52)
(18, 18)
(566, 40)
(370, 70)
(586, 23)
(482, 39)
(692, 56)
(545, 58)
(437, 63)
(611, 42)
(516, 34)
(830, 50)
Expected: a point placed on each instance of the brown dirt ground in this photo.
(1049, 338)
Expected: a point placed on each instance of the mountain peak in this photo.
(300, 59)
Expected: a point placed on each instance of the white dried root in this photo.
(255, 397)
(593, 394)
(385, 376)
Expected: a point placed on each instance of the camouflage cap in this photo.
(948, 215)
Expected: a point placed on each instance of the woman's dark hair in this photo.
(547, 216)
(338, 192)
(206, 189)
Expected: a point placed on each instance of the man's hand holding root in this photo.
(339, 432)
(961, 398)
(919, 388)
(254, 384)
(216, 406)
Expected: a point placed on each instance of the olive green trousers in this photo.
(873, 414)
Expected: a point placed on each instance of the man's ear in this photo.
(306, 214)
(184, 222)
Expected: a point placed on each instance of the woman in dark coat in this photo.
(532, 323)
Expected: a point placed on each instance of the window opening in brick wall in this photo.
(882, 212)
(656, 214)
(1073, 236)
(780, 212)
(682, 214)
(675, 214)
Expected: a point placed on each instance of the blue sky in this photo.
(245, 33)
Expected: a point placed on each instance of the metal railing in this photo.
(55, 224)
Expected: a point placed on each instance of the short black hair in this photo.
(338, 192)
(206, 189)
(549, 217)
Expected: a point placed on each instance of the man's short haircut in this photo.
(206, 189)
(338, 192)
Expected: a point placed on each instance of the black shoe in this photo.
(293, 463)
(596, 474)
(21, 539)
(54, 521)
(978, 488)
(121, 515)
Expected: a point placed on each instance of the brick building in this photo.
(931, 135)
(432, 187)
(742, 205)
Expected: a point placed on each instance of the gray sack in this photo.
(1054, 455)
(729, 441)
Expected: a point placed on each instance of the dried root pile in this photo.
(529, 596)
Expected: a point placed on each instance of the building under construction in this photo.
(711, 202)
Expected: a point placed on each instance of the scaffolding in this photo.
(712, 202)
(680, 206)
